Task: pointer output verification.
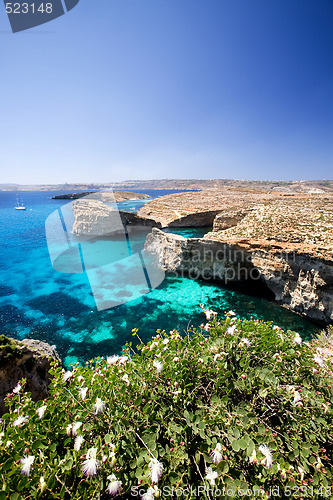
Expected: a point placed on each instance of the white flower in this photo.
(17, 389)
(20, 420)
(42, 484)
(175, 359)
(245, 342)
(83, 393)
(253, 457)
(297, 397)
(216, 454)
(99, 406)
(156, 469)
(298, 339)
(112, 458)
(318, 464)
(158, 366)
(231, 329)
(75, 427)
(216, 357)
(41, 411)
(68, 429)
(111, 360)
(318, 359)
(301, 472)
(122, 360)
(80, 379)
(232, 313)
(78, 442)
(211, 475)
(67, 375)
(91, 465)
(149, 495)
(114, 487)
(27, 463)
(209, 313)
(275, 327)
(125, 379)
(268, 455)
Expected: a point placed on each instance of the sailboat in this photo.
(18, 205)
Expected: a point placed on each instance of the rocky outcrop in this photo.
(224, 220)
(132, 219)
(95, 218)
(298, 280)
(29, 359)
(200, 208)
(103, 196)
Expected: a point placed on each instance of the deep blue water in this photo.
(38, 302)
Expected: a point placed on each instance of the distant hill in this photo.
(315, 186)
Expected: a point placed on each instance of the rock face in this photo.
(29, 359)
(299, 280)
(95, 218)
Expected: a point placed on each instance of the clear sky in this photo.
(141, 89)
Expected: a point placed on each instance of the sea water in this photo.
(59, 308)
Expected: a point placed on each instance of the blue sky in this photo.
(141, 89)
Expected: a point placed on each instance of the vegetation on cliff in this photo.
(239, 406)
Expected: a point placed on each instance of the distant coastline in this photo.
(311, 187)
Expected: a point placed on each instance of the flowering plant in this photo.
(238, 405)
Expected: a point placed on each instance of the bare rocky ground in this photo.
(299, 223)
(293, 221)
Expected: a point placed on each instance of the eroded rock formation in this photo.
(300, 281)
(29, 359)
(95, 218)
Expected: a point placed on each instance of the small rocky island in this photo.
(118, 196)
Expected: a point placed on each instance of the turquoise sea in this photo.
(38, 302)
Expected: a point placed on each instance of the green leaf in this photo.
(107, 439)
(235, 445)
(242, 444)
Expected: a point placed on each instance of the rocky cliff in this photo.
(199, 209)
(29, 359)
(295, 277)
(96, 218)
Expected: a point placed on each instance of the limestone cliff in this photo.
(298, 279)
(95, 218)
(29, 359)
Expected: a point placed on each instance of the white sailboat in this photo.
(18, 205)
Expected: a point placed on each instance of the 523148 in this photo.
(29, 8)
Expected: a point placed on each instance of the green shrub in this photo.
(241, 404)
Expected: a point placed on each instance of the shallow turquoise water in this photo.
(189, 232)
(59, 308)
